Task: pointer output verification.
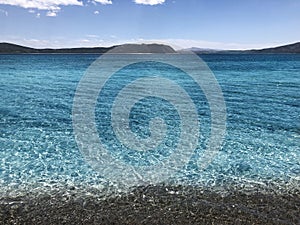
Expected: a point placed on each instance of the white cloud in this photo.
(92, 36)
(84, 41)
(96, 12)
(149, 2)
(51, 13)
(4, 12)
(104, 2)
(38, 15)
(52, 5)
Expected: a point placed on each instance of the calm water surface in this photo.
(262, 145)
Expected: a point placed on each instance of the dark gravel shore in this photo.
(155, 205)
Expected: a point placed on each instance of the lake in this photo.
(38, 151)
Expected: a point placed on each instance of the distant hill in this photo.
(143, 48)
(8, 48)
(12, 48)
(201, 50)
(291, 48)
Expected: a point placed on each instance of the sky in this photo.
(217, 24)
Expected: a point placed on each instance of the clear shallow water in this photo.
(37, 145)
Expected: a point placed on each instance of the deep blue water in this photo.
(37, 144)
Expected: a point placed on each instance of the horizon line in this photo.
(147, 43)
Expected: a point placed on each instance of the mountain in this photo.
(202, 50)
(8, 48)
(12, 48)
(291, 48)
(143, 48)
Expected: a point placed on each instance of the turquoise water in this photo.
(262, 144)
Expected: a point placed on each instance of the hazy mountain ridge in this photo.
(142, 48)
(8, 48)
(290, 48)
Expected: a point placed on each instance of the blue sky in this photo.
(222, 24)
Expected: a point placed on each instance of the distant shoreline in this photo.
(8, 48)
(215, 53)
